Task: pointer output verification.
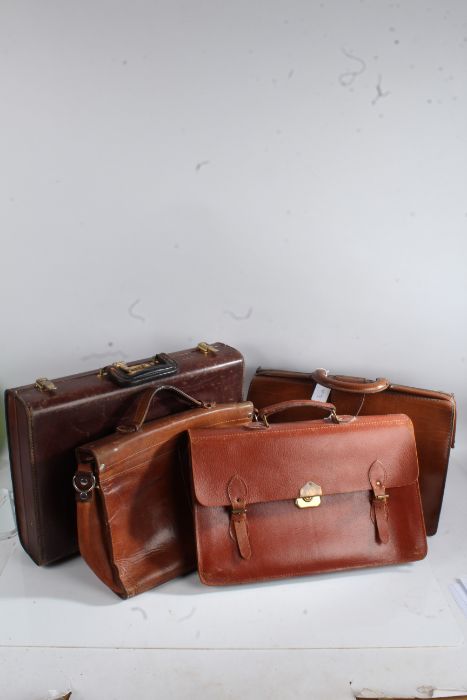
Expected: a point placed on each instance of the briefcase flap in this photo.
(275, 463)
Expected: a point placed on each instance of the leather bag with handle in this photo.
(135, 527)
(288, 499)
(433, 414)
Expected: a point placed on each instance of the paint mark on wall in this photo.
(379, 91)
(142, 611)
(348, 78)
(133, 314)
(187, 617)
(238, 317)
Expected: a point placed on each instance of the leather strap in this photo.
(144, 403)
(354, 385)
(237, 490)
(377, 476)
(296, 403)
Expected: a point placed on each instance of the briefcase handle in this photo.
(329, 408)
(145, 400)
(354, 385)
(122, 374)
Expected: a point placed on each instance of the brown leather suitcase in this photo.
(433, 415)
(289, 499)
(135, 525)
(47, 420)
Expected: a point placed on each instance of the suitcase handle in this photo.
(144, 403)
(296, 403)
(354, 385)
(160, 365)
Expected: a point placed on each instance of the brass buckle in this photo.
(382, 497)
(310, 495)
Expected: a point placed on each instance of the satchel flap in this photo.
(276, 462)
(118, 452)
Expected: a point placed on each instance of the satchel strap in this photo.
(144, 403)
(237, 490)
(377, 476)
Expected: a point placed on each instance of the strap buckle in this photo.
(84, 484)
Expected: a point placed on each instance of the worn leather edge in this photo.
(23, 478)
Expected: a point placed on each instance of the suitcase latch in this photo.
(44, 384)
(205, 348)
(310, 495)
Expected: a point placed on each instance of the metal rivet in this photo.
(101, 466)
(378, 483)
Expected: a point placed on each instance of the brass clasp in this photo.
(310, 495)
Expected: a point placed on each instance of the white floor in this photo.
(397, 629)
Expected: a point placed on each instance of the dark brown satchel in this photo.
(135, 525)
(288, 499)
(433, 415)
(47, 420)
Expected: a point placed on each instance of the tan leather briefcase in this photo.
(287, 499)
(433, 415)
(135, 527)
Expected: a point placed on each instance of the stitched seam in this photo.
(346, 426)
(243, 484)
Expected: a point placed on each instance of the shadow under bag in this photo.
(289, 499)
(135, 525)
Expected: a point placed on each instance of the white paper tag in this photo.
(320, 393)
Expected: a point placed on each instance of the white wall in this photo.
(178, 171)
